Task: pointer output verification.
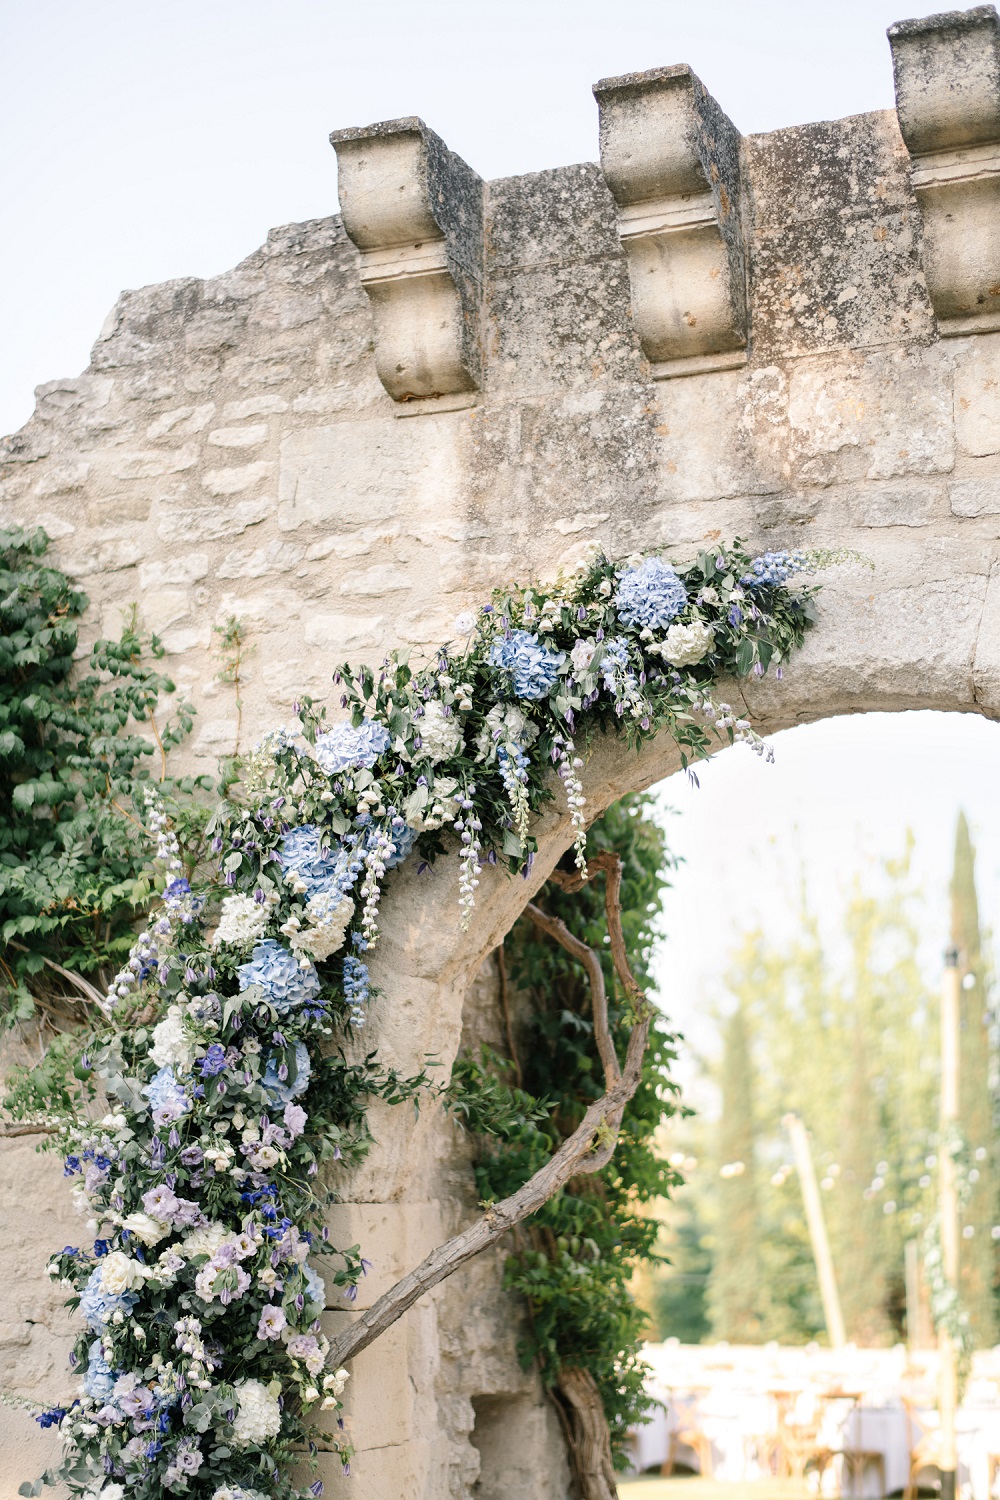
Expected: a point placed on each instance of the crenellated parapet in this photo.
(947, 74)
(415, 211)
(671, 158)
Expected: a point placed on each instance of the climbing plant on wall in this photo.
(224, 1064)
(572, 1261)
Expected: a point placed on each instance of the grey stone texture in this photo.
(233, 449)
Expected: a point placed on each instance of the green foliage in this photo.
(979, 1280)
(573, 1260)
(735, 1286)
(842, 1028)
(74, 747)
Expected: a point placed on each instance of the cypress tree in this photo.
(734, 1288)
(978, 1253)
(858, 1228)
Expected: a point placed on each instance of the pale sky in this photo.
(146, 141)
(149, 141)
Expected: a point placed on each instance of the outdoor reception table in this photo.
(742, 1412)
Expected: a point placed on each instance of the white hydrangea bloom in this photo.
(329, 926)
(242, 922)
(582, 655)
(258, 1416)
(171, 1047)
(204, 1241)
(440, 735)
(684, 645)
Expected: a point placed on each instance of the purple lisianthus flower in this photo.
(650, 595)
(272, 1321)
(192, 1156)
(295, 1119)
(160, 1203)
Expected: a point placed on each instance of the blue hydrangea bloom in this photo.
(97, 1306)
(284, 982)
(402, 846)
(346, 748)
(533, 668)
(284, 1090)
(316, 1288)
(165, 1095)
(99, 1379)
(328, 871)
(650, 595)
(774, 568)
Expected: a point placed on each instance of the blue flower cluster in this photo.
(275, 1079)
(284, 981)
(533, 668)
(323, 870)
(346, 748)
(615, 656)
(167, 1099)
(403, 841)
(99, 1378)
(650, 595)
(97, 1307)
(356, 987)
(774, 568)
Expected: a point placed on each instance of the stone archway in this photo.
(373, 420)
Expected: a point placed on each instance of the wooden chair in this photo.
(924, 1449)
(688, 1434)
(857, 1460)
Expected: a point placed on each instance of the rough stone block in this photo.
(239, 437)
(975, 497)
(356, 472)
(234, 481)
(977, 395)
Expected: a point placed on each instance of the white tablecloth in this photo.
(733, 1396)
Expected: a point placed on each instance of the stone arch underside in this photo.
(373, 420)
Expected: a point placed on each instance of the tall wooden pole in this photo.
(948, 1212)
(832, 1314)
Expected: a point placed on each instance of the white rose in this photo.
(465, 623)
(145, 1228)
(119, 1273)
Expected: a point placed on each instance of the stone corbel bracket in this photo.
(672, 161)
(947, 74)
(415, 211)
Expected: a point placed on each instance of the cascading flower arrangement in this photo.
(203, 1358)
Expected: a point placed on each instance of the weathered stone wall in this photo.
(232, 451)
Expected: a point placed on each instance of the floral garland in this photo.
(204, 1362)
